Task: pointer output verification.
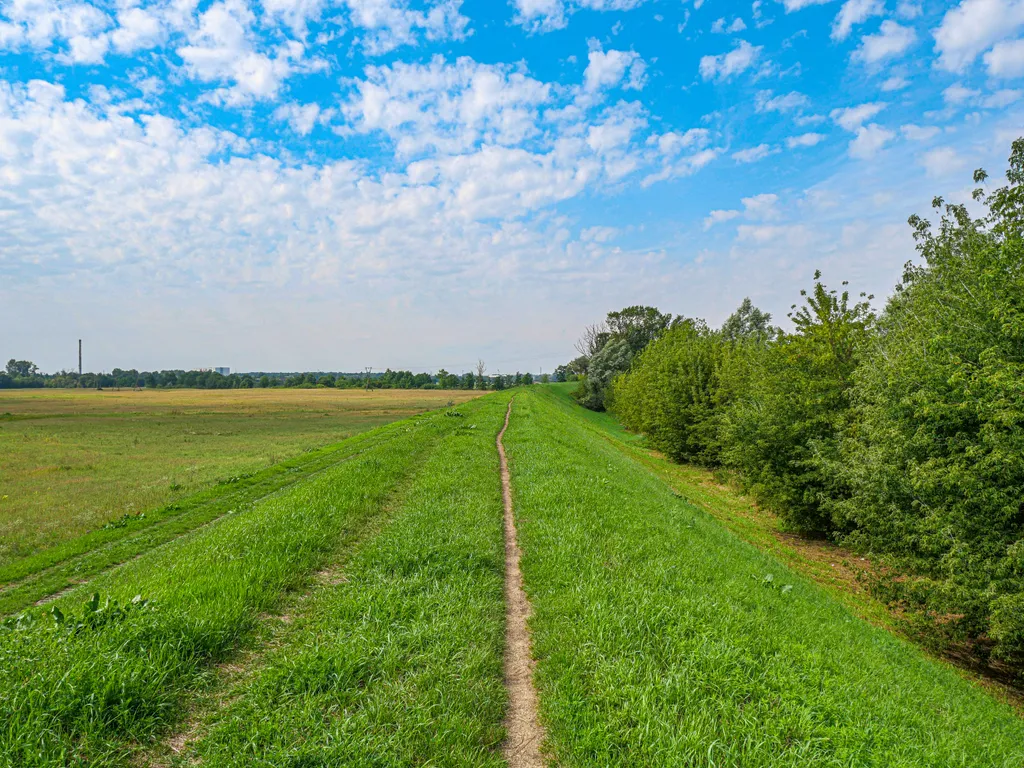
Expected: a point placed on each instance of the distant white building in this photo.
(222, 371)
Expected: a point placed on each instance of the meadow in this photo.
(72, 461)
(356, 616)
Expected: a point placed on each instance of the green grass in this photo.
(85, 696)
(52, 570)
(401, 663)
(74, 460)
(662, 639)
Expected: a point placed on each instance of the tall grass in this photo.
(664, 640)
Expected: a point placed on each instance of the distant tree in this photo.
(481, 369)
(527, 379)
(544, 378)
(468, 380)
(264, 381)
(613, 358)
(518, 380)
(748, 322)
(327, 380)
(562, 373)
(499, 382)
(21, 368)
(638, 325)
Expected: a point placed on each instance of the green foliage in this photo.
(789, 403)
(936, 462)
(748, 323)
(669, 394)
(609, 361)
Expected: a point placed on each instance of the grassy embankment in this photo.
(92, 688)
(663, 639)
(399, 661)
(72, 461)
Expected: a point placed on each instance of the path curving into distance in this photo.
(522, 725)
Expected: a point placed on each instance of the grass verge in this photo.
(662, 639)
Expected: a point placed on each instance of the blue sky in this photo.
(331, 184)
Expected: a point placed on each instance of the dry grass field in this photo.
(73, 460)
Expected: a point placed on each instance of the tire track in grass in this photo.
(231, 675)
(525, 734)
(53, 581)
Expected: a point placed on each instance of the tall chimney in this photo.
(79, 358)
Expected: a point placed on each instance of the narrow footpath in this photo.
(522, 748)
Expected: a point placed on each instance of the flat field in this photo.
(74, 460)
(355, 616)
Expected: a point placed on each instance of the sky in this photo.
(336, 184)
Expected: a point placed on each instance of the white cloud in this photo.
(972, 27)
(303, 118)
(609, 69)
(389, 24)
(717, 217)
(943, 161)
(895, 83)
(1001, 99)
(223, 49)
(753, 154)
(1006, 59)
(852, 13)
(548, 15)
(137, 30)
(805, 140)
(851, 118)
(765, 102)
(870, 140)
(719, 26)
(958, 94)
(726, 65)
(892, 40)
(919, 133)
(761, 207)
(799, 5)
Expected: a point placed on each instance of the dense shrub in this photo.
(789, 403)
(902, 435)
(669, 392)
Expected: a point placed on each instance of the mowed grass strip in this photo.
(83, 694)
(35, 577)
(400, 663)
(664, 640)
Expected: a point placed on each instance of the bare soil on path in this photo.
(522, 748)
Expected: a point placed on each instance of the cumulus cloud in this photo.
(724, 66)
(761, 207)
(720, 26)
(548, 15)
(852, 13)
(943, 161)
(974, 26)
(851, 118)
(870, 139)
(388, 24)
(805, 140)
(891, 40)
(1006, 59)
(753, 154)
(765, 102)
(918, 132)
(717, 217)
(608, 69)
(799, 5)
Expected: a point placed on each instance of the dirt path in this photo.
(525, 734)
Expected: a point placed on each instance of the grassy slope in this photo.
(401, 663)
(85, 696)
(661, 640)
(71, 460)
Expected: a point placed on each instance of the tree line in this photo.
(898, 433)
(23, 374)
